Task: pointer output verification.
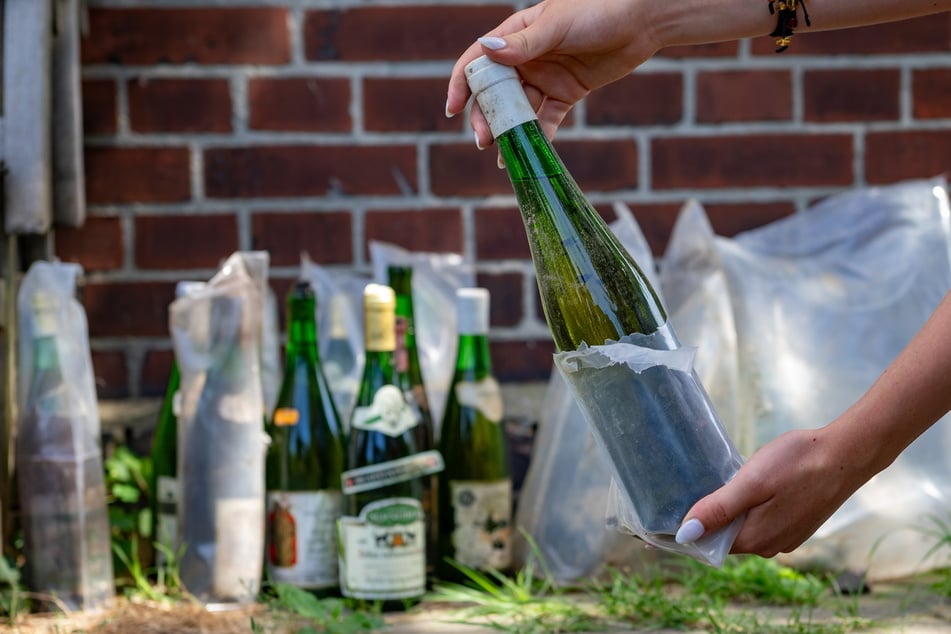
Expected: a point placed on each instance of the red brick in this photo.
(851, 95)
(500, 234)
(459, 169)
(296, 170)
(717, 49)
(155, 370)
(729, 219)
(505, 290)
(128, 309)
(740, 96)
(895, 156)
(179, 105)
(600, 165)
(402, 34)
(110, 373)
(436, 230)
(99, 106)
(638, 99)
(406, 105)
(929, 34)
(184, 242)
(307, 104)
(144, 36)
(514, 361)
(140, 174)
(931, 90)
(656, 220)
(98, 245)
(769, 160)
(326, 237)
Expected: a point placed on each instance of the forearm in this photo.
(704, 21)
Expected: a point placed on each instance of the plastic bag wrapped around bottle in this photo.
(58, 454)
(216, 330)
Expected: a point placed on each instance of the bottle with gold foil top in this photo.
(304, 461)
(475, 490)
(410, 376)
(383, 530)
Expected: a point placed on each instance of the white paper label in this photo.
(482, 514)
(389, 413)
(383, 551)
(302, 537)
(239, 547)
(484, 396)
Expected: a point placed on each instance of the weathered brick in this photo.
(505, 290)
(295, 171)
(184, 242)
(179, 105)
(656, 220)
(929, 34)
(97, 245)
(145, 36)
(406, 105)
(769, 160)
(459, 169)
(851, 95)
(638, 99)
(110, 373)
(137, 174)
(399, 33)
(326, 237)
(895, 156)
(931, 93)
(729, 219)
(748, 95)
(600, 165)
(128, 309)
(155, 370)
(437, 230)
(500, 234)
(717, 49)
(514, 361)
(99, 106)
(307, 104)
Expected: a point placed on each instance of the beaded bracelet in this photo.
(786, 21)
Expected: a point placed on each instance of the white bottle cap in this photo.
(498, 89)
(472, 311)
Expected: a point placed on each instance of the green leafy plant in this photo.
(130, 516)
(311, 614)
(13, 599)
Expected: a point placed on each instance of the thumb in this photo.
(520, 46)
(713, 512)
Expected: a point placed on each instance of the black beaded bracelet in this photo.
(786, 21)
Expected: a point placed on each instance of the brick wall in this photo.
(296, 125)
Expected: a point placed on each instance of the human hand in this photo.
(562, 49)
(787, 490)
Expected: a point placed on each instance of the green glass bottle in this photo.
(410, 376)
(304, 461)
(475, 490)
(383, 530)
(594, 293)
(591, 289)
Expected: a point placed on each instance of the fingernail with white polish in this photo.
(689, 532)
(492, 43)
(476, 136)
(500, 163)
(449, 115)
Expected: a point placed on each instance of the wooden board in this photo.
(69, 195)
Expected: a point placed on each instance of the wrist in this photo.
(703, 22)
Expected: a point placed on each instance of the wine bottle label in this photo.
(383, 474)
(302, 537)
(239, 547)
(166, 521)
(484, 396)
(482, 523)
(286, 416)
(383, 551)
(389, 413)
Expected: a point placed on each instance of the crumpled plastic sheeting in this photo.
(819, 304)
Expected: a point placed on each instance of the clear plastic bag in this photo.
(58, 454)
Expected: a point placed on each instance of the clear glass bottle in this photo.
(475, 490)
(304, 461)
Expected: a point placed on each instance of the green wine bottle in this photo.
(475, 490)
(657, 425)
(383, 530)
(304, 461)
(591, 289)
(410, 375)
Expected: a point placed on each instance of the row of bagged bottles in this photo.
(372, 507)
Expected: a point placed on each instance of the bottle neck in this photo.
(302, 330)
(473, 358)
